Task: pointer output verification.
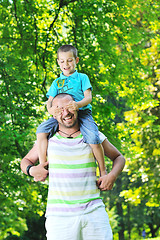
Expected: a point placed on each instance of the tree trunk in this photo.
(152, 230)
(121, 222)
(129, 224)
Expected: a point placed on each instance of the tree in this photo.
(118, 44)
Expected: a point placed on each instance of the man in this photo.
(75, 210)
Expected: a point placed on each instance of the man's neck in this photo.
(69, 132)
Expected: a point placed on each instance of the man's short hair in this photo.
(68, 48)
(62, 95)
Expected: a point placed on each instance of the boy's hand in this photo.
(39, 172)
(58, 111)
(55, 111)
(106, 182)
(72, 106)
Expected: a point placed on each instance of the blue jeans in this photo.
(49, 126)
(88, 127)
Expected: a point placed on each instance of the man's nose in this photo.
(65, 111)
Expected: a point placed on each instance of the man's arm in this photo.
(38, 172)
(106, 182)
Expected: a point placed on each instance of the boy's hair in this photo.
(68, 48)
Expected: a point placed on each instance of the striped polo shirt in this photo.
(72, 177)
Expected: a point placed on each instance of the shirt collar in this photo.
(74, 75)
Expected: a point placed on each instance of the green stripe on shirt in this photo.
(60, 137)
(57, 201)
(73, 166)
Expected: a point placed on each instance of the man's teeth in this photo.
(67, 118)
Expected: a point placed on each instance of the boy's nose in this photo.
(66, 63)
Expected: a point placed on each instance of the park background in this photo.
(119, 49)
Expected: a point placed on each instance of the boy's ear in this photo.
(58, 61)
(77, 60)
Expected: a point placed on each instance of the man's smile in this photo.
(68, 118)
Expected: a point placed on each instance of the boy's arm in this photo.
(49, 103)
(38, 172)
(85, 101)
(52, 109)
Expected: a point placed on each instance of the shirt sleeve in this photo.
(86, 83)
(53, 91)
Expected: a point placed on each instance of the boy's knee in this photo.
(92, 139)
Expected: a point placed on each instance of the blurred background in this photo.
(119, 49)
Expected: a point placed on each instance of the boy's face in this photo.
(67, 62)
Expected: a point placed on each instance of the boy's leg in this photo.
(48, 126)
(43, 131)
(90, 134)
(42, 145)
(99, 155)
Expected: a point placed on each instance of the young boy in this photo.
(78, 85)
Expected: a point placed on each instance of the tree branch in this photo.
(15, 14)
(62, 3)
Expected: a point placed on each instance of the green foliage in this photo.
(118, 44)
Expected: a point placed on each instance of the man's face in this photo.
(67, 62)
(66, 118)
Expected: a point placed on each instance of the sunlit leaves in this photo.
(118, 44)
(132, 196)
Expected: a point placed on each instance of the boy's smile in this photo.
(67, 62)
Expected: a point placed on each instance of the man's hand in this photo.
(39, 172)
(106, 182)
